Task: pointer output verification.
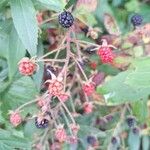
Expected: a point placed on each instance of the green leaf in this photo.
(138, 51)
(85, 16)
(5, 26)
(129, 6)
(145, 142)
(55, 5)
(108, 69)
(140, 110)
(20, 92)
(11, 142)
(3, 75)
(38, 76)
(24, 18)
(87, 130)
(16, 49)
(140, 76)
(2, 120)
(103, 7)
(30, 129)
(111, 25)
(70, 3)
(3, 3)
(134, 141)
(116, 91)
(3, 45)
(129, 86)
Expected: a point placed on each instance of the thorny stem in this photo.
(71, 117)
(72, 105)
(48, 20)
(44, 136)
(57, 53)
(86, 42)
(66, 119)
(30, 102)
(51, 52)
(119, 124)
(68, 52)
(77, 44)
(55, 123)
(80, 68)
(122, 116)
(53, 60)
(65, 68)
(26, 104)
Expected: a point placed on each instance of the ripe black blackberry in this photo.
(135, 130)
(131, 121)
(136, 20)
(91, 140)
(66, 19)
(114, 140)
(41, 124)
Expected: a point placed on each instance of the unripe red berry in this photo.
(15, 118)
(72, 139)
(55, 87)
(60, 134)
(88, 107)
(88, 88)
(63, 97)
(55, 146)
(106, 55)
(41, 102)
(93, 65)
(75, 128)
(27, 66)
(39, 18)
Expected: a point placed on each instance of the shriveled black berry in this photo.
(48, 69)
(91, 140)
(66, 19)
(101, 122)
(114, 140)
(135, 130)
(42, 124)
(109, 118)
(89, 50)
(131, 121)
(47, 72)
(136, 20)
(85, 30)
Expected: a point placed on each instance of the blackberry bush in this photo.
(57, 76)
